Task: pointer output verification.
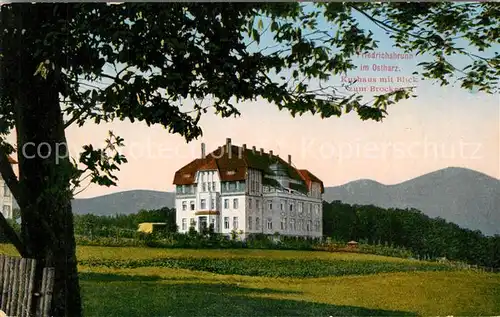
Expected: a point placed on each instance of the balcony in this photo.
(207, 213)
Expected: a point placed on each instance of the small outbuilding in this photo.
(352, 245)
(150, 227)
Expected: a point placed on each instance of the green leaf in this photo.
(256, 35)
(260, 25)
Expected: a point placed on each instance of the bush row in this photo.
(195, 240)
(297, 268)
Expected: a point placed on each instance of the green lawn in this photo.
(158, 285)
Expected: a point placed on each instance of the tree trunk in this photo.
(44, 194)
(44, 179)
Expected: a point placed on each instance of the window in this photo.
(316, 225)
(204, 187)
(250, 203)
(270, 203)
(300, 224)
(209, 186)
(291, 206)
(184, 205)
(269, 224)
(203, 204)
(226, 203)
(226, 222)
(301, 206)
(203, 223)
(308, 228)
(184, 223)
(213, 186)
(183, 189)
(283, 223)
(212, 223)
(237, 185)
(235, 203)
(292, 224)
(192, 223)
(257, 204)
(235, 223)
(282, 205)
(316, 210)
(191, 204)
(7, 211)
(257, 223)
(212, 204)
(250, 223)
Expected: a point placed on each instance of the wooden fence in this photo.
(18, 291)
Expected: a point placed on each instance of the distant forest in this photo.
(425, 237)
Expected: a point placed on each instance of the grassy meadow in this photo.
(161, 282)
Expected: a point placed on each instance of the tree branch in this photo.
(11, 180)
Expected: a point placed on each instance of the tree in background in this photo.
(64, 64)
(411, 229)
(93, 226)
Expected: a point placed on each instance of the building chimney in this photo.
(228, 147)
(203, 150)
(261, 151)
(242, 151)
(254, 149)
(271, 153)
(289, 159)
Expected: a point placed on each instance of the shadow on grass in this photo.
(129, 295)
(100, 277)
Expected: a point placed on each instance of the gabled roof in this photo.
(233, 165)
(309, 178)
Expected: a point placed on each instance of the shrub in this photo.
(268, 267)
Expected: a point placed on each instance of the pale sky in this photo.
(442, 127)
(455, 128)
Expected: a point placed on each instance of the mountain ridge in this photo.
(466, 197)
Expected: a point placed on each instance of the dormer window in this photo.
(230, 172)
(186, 175)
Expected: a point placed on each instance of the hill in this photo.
(127, 202)
(462, 196)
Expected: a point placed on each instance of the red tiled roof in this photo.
(234, 167)
(309, 178)
(210, 165)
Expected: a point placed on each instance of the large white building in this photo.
(248, 191)
(6, 200)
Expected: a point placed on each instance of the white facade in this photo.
(6, 201)
(249, 206)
